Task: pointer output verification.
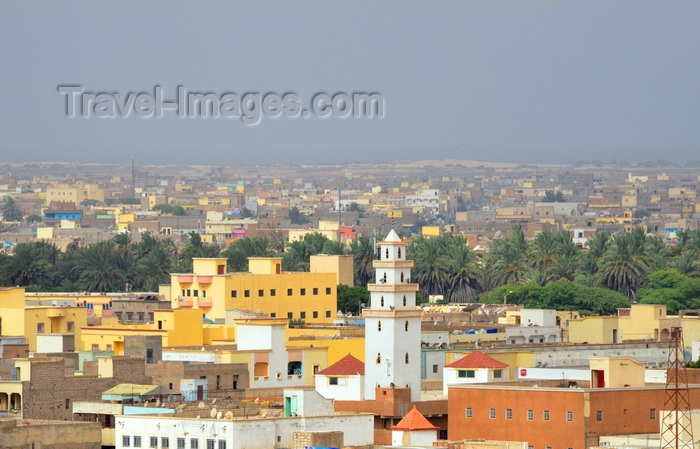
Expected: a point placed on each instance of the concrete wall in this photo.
(357, 430)
(31, 434)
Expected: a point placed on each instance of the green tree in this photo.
(551, 197)
(430, 268)
(350, 298)
(354, 207)
(463, 272)
(98, 267)
(11, 210)
(89, 202)
(27, 265)
(34, 218)
(296, 217)
(363, 254)
(240, 250)
(624, 265)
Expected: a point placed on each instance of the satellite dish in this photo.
(219, 415)
(340, 314)
(497, 234)
(213, 413)
(228, 416)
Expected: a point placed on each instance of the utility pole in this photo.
(676, 425)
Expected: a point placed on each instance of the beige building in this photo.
(640, 322)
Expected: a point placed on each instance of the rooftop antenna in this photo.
(676, 426)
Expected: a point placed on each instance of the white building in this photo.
(536, 326)
(392, 323)
(476, 368)
(161, 432)
(429, 199)
(344, 380)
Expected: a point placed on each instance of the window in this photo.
(70, 326)
(150, 317)
(234, 293)
(530, 415)
(210, 444)
(129, 316)
(39, 328)
(189, 292)
(406, 358)
(466, 373)
(399, 253)
(142, 315)
(652, 413)
(137, 441)
(315, 291)
(290, 292)
(149, 355)
(379, 358)
(67, 404)
(246, 293)
(569, 416)
(497, 373)
(379, 326)
(340, 381)
(599, 415)
(109, 347)
(509, 413)
(261, 292)
(545, 415)
(194, 443)
(548, 447)
(180, 443)
(468, 412)
(315, 314)
(196, 293)
(273, 292)
(154, 442)
(381, 302)
(302, 292)
(406, 326)
(386, 253)
(328, 290)
(492, 413)
(126, 441)
(404, 300)
(302, 315)
(435, 368)
(328, 313)
(164, 442)
(290, 315)
(273, 315)
(222, 444)
(95, 347)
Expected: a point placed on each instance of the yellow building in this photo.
(175, 327)
(18, 319)
(640, 322)
(68, 194)
(311, 297)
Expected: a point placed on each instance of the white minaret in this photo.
(392, 323)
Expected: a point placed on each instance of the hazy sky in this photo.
(556, 81)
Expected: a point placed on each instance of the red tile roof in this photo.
(348, 365)
(477, 359)
(414, 420)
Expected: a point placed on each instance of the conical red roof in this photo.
(346, 366)
(477, 359)
(414, 420)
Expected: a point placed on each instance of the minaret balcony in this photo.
(392, 263)
(393, 288)
(369, 312)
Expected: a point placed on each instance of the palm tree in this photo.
(623, 267)
(686, 263)
(463, 273)
(98, 268)
(153, 270)
(430, 267)
(239, 251)
(27, 265)
(363, 255)
(543, 251)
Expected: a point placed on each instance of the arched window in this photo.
(404, 300)
(402, 276)
(406, 326)
(379, 358)
(379, 326)
(384, 278)
(406, 358)
(381, 303)
(399, 253)
(386, 253)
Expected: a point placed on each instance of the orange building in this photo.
(554, 417)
